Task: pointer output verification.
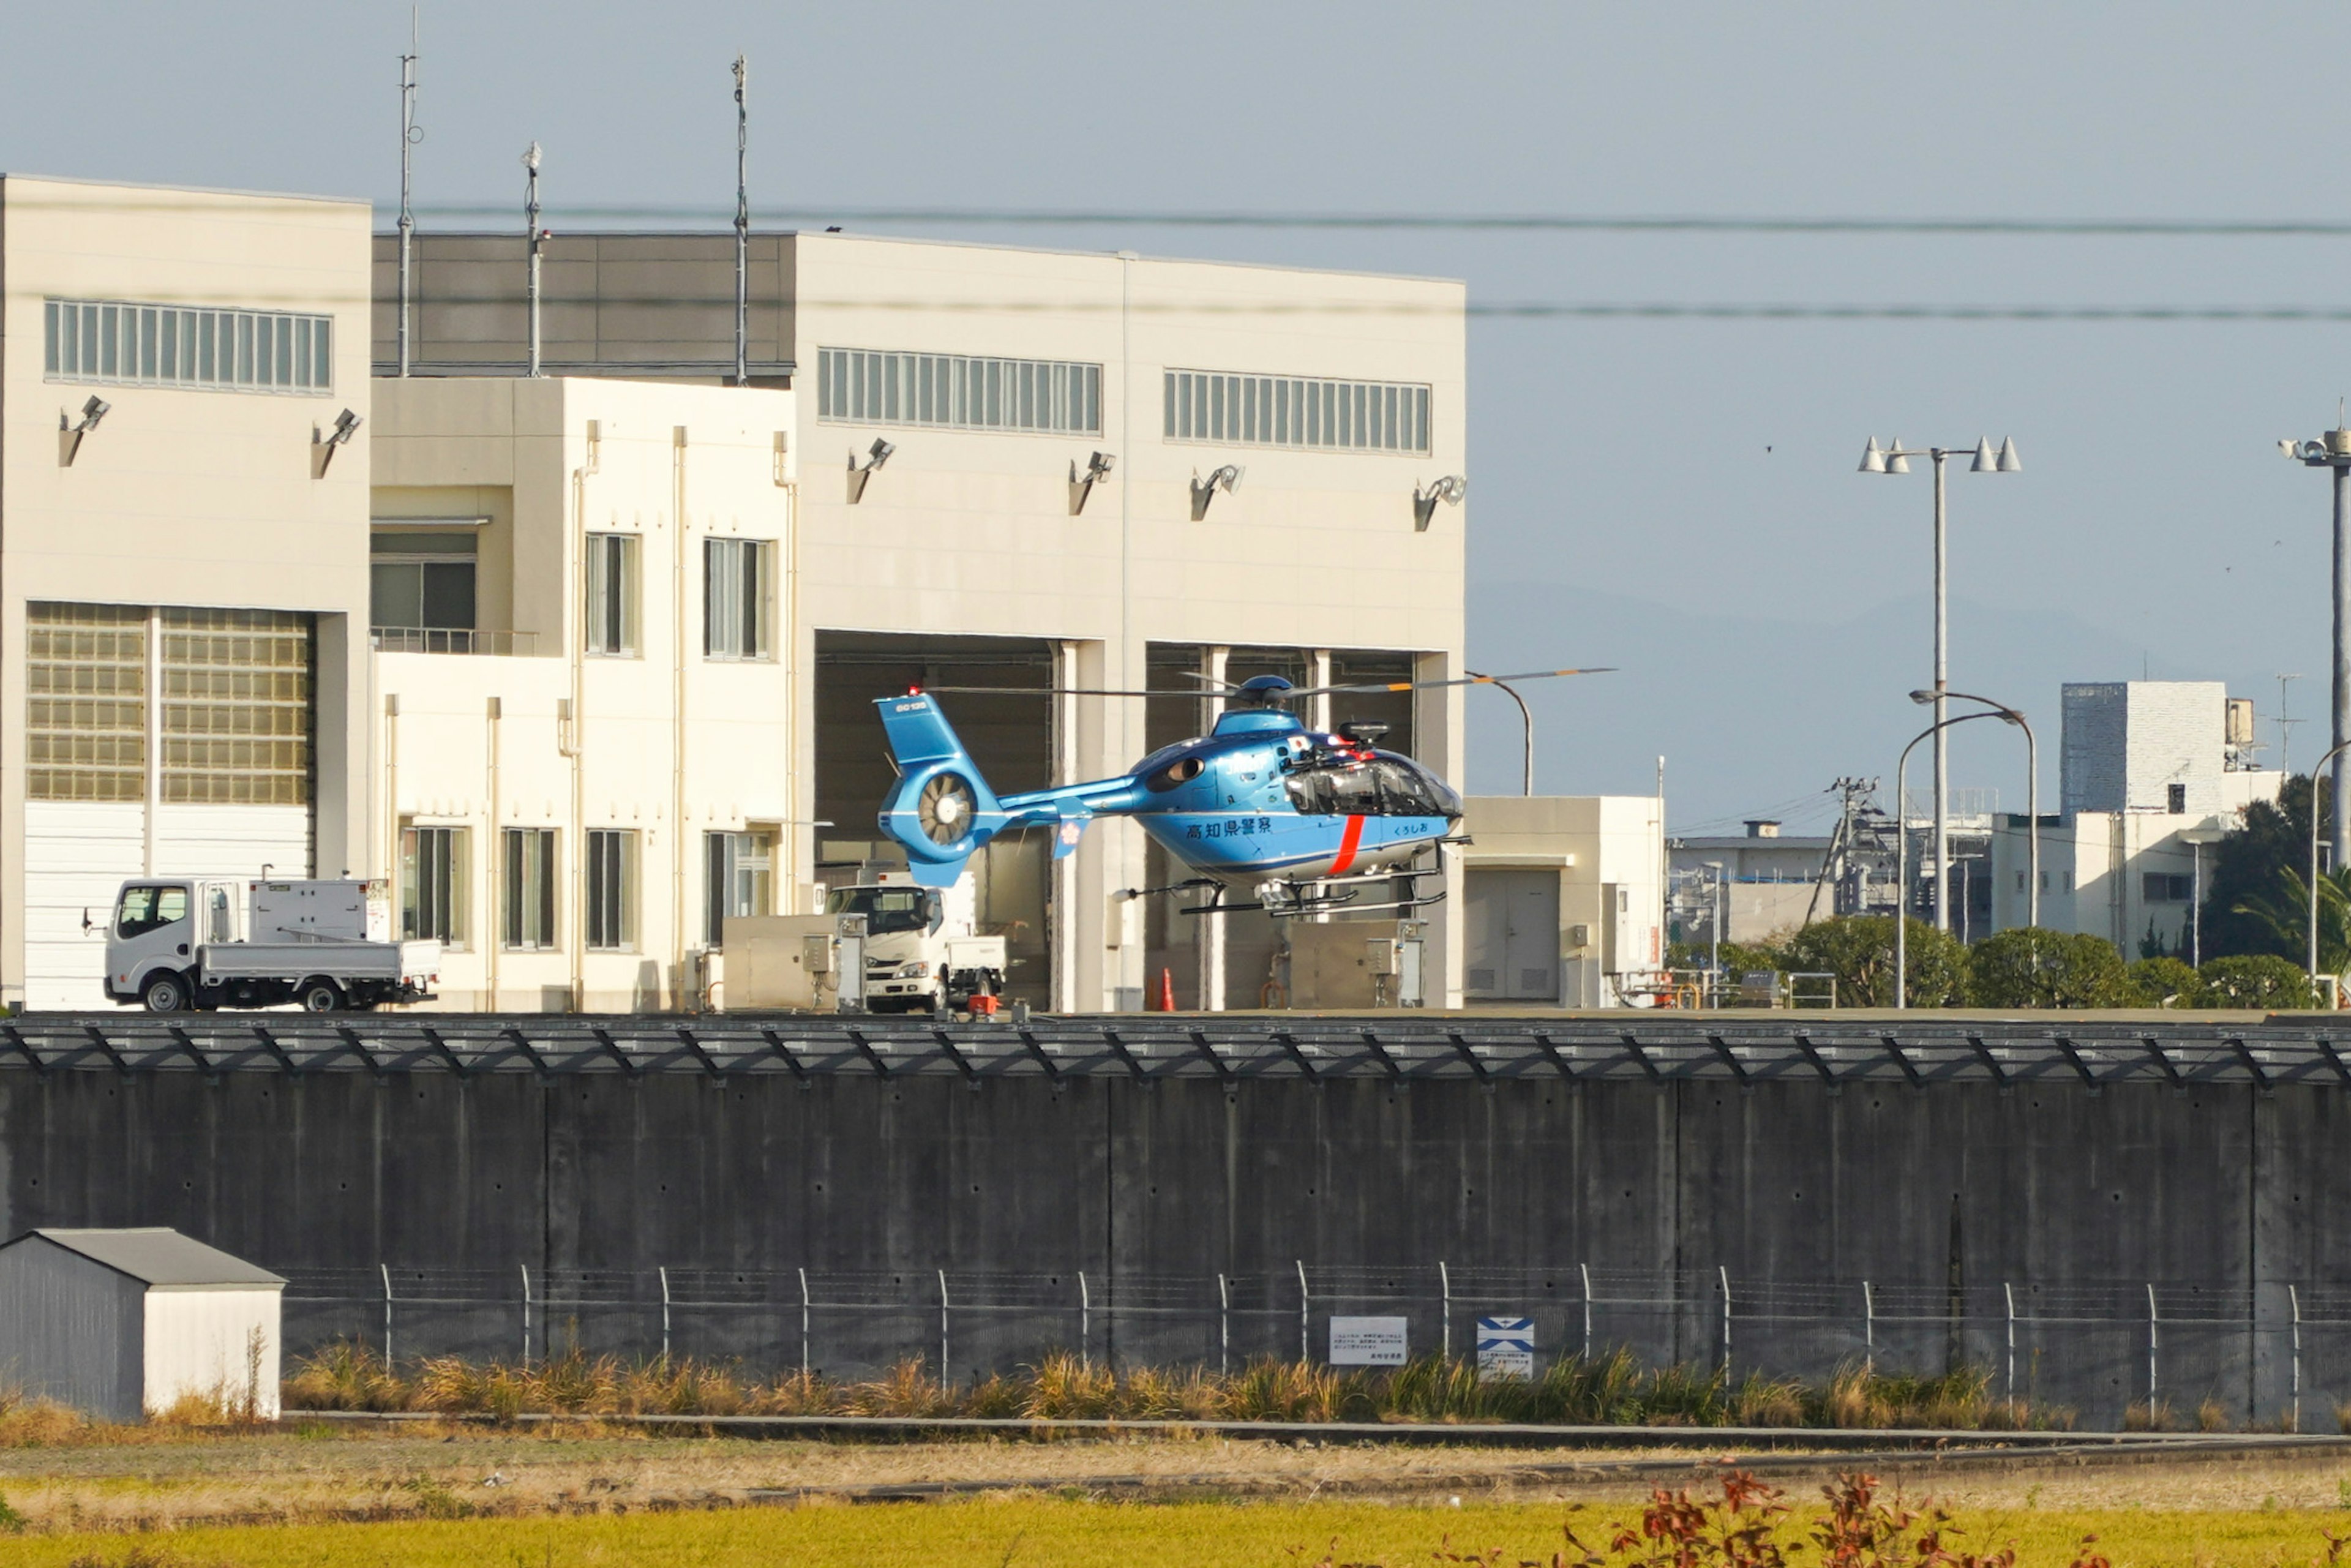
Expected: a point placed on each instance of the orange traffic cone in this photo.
(1166, 990)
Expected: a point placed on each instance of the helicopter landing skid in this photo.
(1288, 900)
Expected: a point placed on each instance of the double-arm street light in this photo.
(1902, 850)
(1895, 459)
(2032, 793)
(2310, 967)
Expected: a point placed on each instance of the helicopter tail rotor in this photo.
(940, 812)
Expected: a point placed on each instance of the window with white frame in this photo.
(612, 912)
(740, 877)
(433, 880)
(958, 391)
(530, 888)
(1231, 408)
(123, 342)
(737, 576)
(612, 594)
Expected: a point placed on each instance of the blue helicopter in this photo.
(1262, 806)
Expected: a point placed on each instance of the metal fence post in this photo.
(804, 1323)
(526, 1314)
(386, 1268)
(1224, 1328)
(2150, 1355)
(1085, 1320)
(1584, 1270)
(1723, 1269)
(942, 1331)
(2293, 1300)
(663, 1271)
(1870, 1322)
(1305, 1339)
(1445, 1331)
(2009, 1291)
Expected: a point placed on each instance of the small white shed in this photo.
(125, 1324)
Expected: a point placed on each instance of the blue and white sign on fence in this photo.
(1506, 1347)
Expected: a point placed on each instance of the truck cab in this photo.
(154, 933)
(922, 952)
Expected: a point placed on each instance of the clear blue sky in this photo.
(1768, 605)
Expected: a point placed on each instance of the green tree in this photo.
(2262, 980)
(1858, 950)
(2243, 869)
(2032, 967)
(2165, 983)
(2283, 911)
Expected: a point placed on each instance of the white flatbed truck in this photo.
(922, 952)
(174, 943)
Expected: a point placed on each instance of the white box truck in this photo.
(177, 943)
(922, 950)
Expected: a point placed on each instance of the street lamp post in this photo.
(2333, 451)
(1895, 459)
(2196, 838)
(1526, 728)
(1902, 856)
(2340, 748)
(2031, 793)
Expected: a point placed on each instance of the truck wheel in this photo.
(165, 993)
(319, 996)
(937, 1000)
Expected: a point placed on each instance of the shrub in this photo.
(2260, 980)
(2165, 983)
(2031, 967)
(1858, 950)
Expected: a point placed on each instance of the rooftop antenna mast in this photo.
(410, 134)
(530, 224)
(742, 225)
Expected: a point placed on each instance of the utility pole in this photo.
(530, 224)
(742, 225)
(409, 135)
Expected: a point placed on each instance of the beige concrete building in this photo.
(976, 554)
(1563, 895)
(183, 583)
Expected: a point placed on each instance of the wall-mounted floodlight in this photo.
(1449, 489)
(1205, 490)
(69, 434)
(1097, 466)
(875, 455)
(323, 442)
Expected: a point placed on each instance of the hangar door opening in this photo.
(1011, 738)
(166, 742)
(1511, 925)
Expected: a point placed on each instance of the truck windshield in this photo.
(146, 909)
(887, 909)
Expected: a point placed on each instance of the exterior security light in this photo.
(1097, 466)
(875, 455)
(323, 442)
(1922, 697)
(69, 434)
(1205, 490)
(1449, 489)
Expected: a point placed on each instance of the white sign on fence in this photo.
(1367, 1341)
(1506, 1347)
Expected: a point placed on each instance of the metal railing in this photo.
(2276, 1353)
(449, 640)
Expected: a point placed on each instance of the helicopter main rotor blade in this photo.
(1463, 681)
(1063, 692)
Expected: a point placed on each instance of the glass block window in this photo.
(1233, 410)
(85, 702)
(237, 707)
(958, 391)
(124, 343)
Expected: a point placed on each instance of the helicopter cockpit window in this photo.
(1378, 788)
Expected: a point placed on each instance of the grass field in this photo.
(998, 1532)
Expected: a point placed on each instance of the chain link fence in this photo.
(2275, 1353)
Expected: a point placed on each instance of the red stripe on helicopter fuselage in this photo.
(1347, 842)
